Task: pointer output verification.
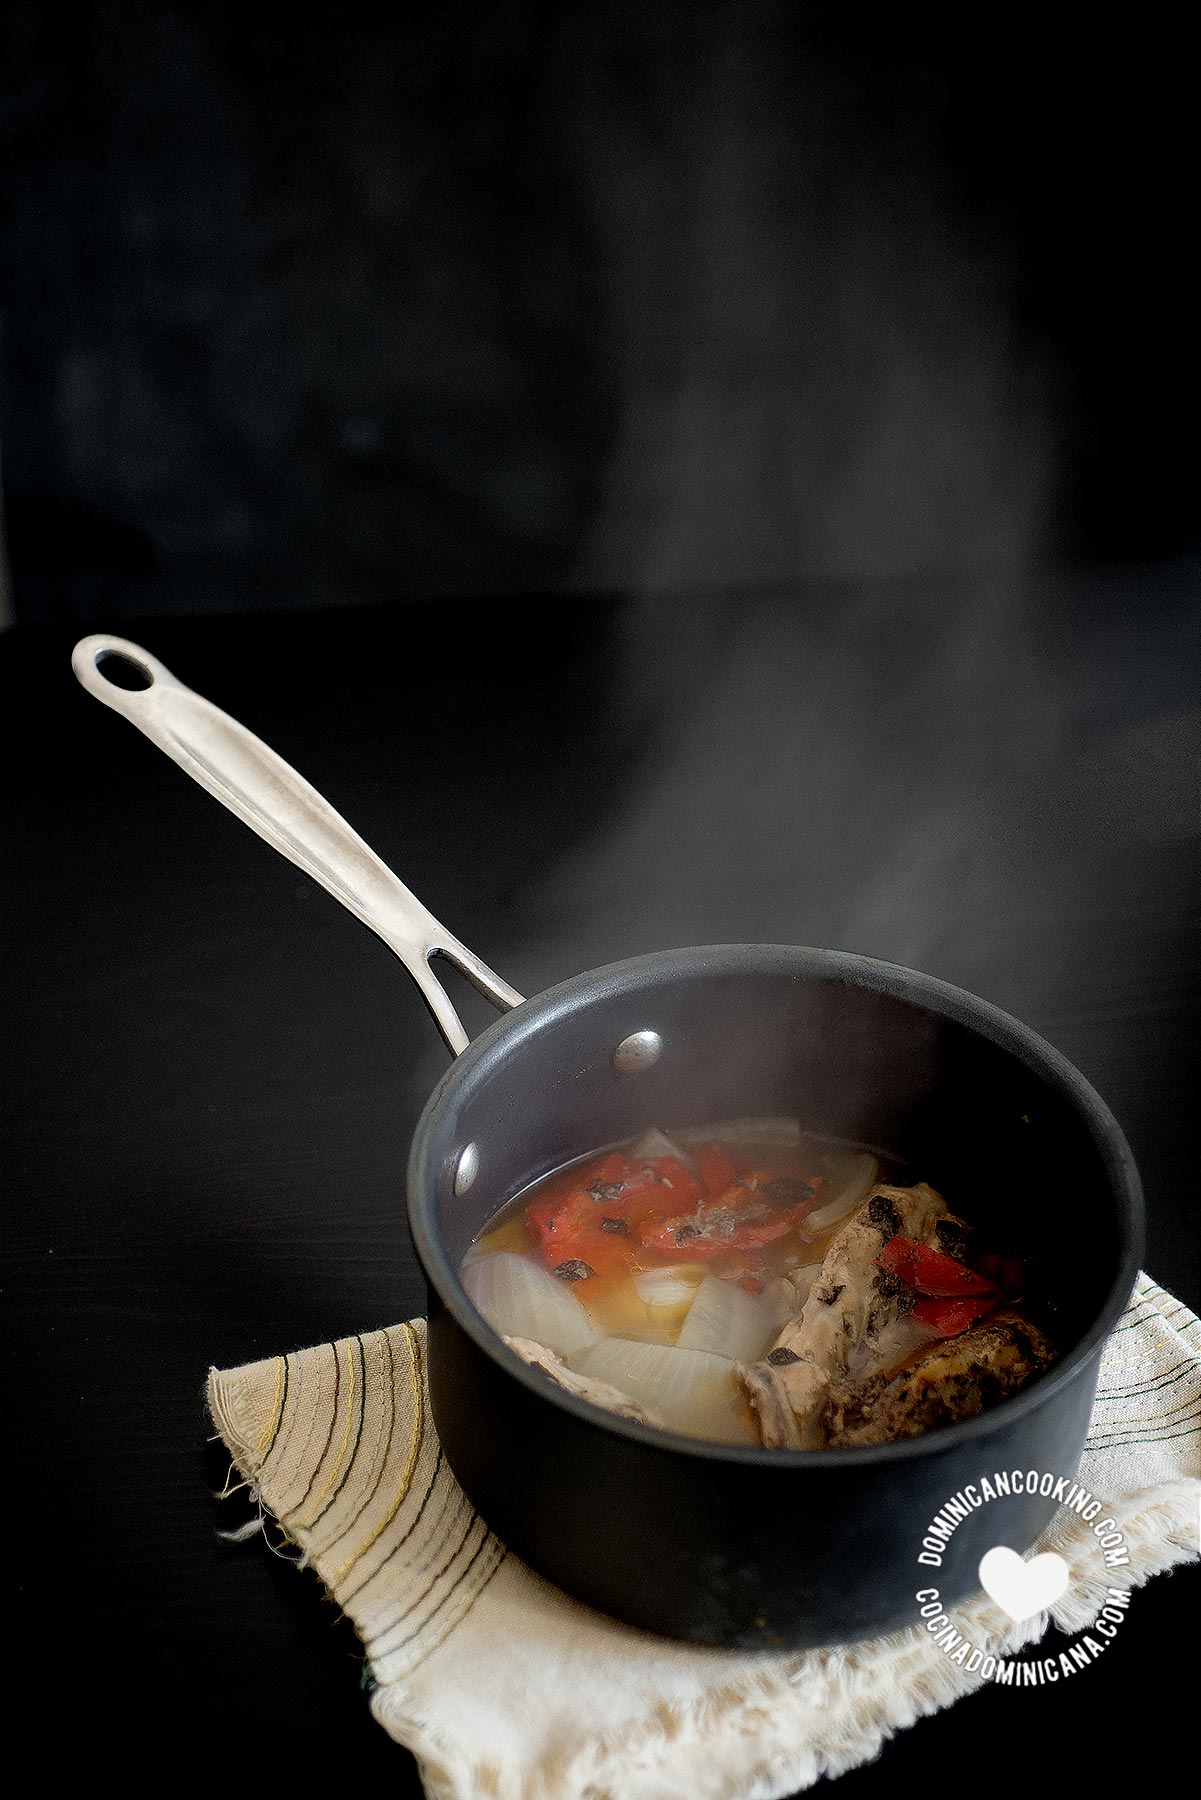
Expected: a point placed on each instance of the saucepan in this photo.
(717, 1544)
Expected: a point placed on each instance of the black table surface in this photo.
(213, 1074)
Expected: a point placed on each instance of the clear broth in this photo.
(769, 1148)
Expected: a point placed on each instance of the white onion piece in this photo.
(727, 1321)
(690, 1390)
(856, 1184)
(663, 1287)
(654, 1143)
(520, 1298)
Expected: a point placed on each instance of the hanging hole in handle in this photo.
(123, 671)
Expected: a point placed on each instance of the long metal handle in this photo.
(269, 796)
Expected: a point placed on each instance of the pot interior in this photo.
(966, 1097)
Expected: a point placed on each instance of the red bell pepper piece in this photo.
(571, 1228)
(596, 1219)
(929, 1271)
(745, 1217)
(715, 1167)
(620, 1187)
(1004, 1272)
(684, 1240)
(948, 1317)
(632, 1187)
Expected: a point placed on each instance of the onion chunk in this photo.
(856, 1177)
(520, 1298)
(673, 1286)
(727, 1321)
(691, 1391)
(654, 1144)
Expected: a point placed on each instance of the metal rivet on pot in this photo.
(637, 1052)
(466, 1169)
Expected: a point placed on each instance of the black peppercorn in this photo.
(574, 1271)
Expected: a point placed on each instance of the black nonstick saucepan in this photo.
(721, 1545)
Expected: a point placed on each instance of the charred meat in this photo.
(952, 1380)
(854, 1321)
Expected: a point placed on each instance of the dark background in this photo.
(301, 307)
(729, 471)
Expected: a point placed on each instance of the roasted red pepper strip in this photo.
(687, 1239)
(1004, 1272)
(715, 1167)
(597, 1218)
(745, 1217)
(652, 1187)
(635, 1188)
(949, 1317)
(573, 1229)
(929, 1271)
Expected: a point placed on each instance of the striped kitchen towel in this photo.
(504, 1687)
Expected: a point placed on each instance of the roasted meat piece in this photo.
(954, 1379)
(853, 1322)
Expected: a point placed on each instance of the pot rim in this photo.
(506, 1035)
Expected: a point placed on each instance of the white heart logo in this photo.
(1023, 1588)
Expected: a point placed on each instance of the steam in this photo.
(932, 779)
(823, 381)
(822, 369)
